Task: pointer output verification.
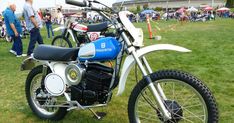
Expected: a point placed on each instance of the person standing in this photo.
(214, 14)
(40, 14)
(137, 17)
(60, 16)
(48, 23)
(14, 29)
(33, 24)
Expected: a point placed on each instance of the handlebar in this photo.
(91, 8)
(76, 3)
(87, 4)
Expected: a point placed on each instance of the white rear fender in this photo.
(129, 61)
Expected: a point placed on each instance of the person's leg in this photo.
(39, 38)
(33, 40)
(13, 49)
(18, 45)
(48, 30)
(51, 30)
(13, 45)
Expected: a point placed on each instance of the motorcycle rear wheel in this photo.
(34, 103)
(200, 106)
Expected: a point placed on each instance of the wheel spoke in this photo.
(192, 113)
(144, 104)
(188, 99)
(173, 91)
(190, 106)
(150, 119)
(148, 100)
(184, 118)
(61, 42)
(139, 112)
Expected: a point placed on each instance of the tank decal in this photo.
(87, 51)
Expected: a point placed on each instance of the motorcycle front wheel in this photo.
(186, 98)
(37, 98)
(61, 41)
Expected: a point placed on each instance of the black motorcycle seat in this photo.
(53, 53)
(97, 27)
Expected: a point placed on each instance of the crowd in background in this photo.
(34, 20)
(198, 15)
(15, 27)
(86, 17)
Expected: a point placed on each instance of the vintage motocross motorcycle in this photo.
(75, 78)
(3, 33)
(80, 34)
(25, 32)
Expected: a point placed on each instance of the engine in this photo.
(94, 86)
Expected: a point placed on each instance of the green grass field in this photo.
(212, 60)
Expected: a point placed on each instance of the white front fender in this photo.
(130, 61)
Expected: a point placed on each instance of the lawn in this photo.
(212, 60)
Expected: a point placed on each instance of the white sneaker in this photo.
(31, 55)
(23, 55)
(13, 52)
(18, 56)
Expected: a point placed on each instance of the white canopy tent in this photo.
(192, 9)
(223, 9)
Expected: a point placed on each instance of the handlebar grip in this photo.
(95, 9)
(77, 3)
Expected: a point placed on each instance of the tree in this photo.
(230, 3)
(133, 10)
(145, 6)
(158, 9)
(138, 8)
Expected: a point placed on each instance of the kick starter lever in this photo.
(99, 117)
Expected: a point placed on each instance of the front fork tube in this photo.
(152, 88)
(159, 88)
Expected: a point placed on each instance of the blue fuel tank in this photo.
(103, 49)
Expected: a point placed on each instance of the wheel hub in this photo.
(175, 110)
(40, 96)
